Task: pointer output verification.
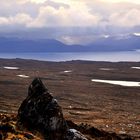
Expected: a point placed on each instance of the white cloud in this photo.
(52, 13)
(31, 1)
(77, 39)
(3, 21)
(122, 1)
(72, 16)
(38, 1)
(99, 15)
(136, 34)
(125, 19)
(19, 19)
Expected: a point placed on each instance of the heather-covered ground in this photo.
(112, 108)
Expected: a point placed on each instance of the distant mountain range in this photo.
(107, 43)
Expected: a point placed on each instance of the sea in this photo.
(126, 56)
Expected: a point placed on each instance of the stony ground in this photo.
(108, 107)
(10, 131)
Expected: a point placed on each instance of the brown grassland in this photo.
(112, 108)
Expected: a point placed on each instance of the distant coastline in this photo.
(127, 56)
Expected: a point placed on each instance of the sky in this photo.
(70, 21)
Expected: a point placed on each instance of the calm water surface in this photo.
(92, 56)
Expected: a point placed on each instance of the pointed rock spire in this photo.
(36, 87)
(40, 111)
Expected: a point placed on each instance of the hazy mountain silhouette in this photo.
(115, 43)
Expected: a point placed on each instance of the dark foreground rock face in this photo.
(40, 111)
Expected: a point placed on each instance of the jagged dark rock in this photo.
(40, 111)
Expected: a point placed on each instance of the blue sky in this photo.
(70, 21)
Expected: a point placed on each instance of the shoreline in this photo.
(68, 61)
(121, 56)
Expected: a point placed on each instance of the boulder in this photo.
(40, 111)
(73, 134)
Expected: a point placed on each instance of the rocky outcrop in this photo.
(40, 111)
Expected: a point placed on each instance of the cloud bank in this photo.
(90, 17)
